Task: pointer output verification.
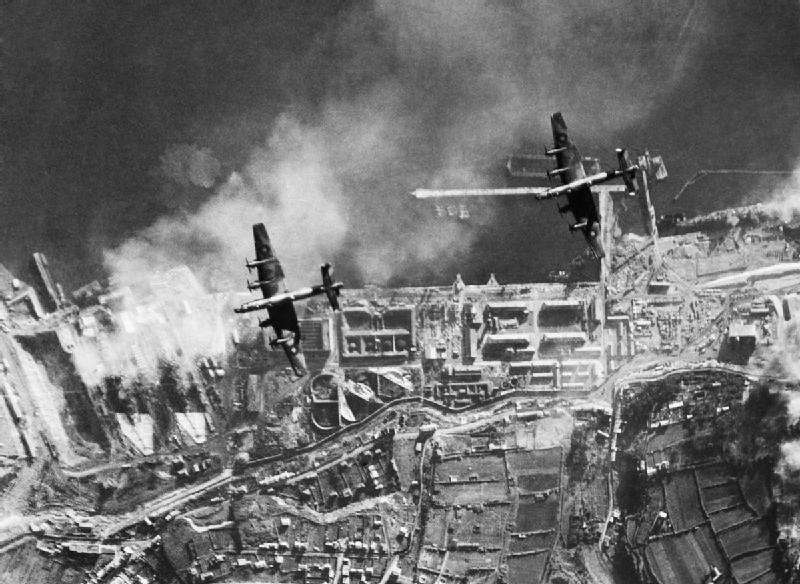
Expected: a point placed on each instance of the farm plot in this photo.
(407, 461)
(768, 578)
(685, 558)
(745, 538)
(729, 517)
(721, 496)
(25, 564)
(484, 526)
(755, 492)
(436, 528)
(521, 462)
(709, 476)
(682, 501)
(548, 459)
(521, 543)
(431, 560)
(527, 569)
(749, 567)
(467, 493)
(460, 563)
(537, 514)
(537, 482)
(666, 437)
(525, 462)
(475, 468)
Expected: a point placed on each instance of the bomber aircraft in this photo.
(576, 186)
(279, 303)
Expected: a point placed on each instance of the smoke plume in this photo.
(188, 164)
(287, 183)
(785, 198)
(394, 96)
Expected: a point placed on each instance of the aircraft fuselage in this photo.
(581, 183)
(280, 298)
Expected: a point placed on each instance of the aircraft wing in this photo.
(268, 267)
(568, 159)
(296, 359)
(283, 320)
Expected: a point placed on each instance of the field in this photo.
(668, 444)
(436, 527)
(533, 515)
(467, 493)
(768, 578)
(527, 569)
(531, 542)
(459, 563)
(683, 503)
(431, 560)
(733, 535)
(25, 564)
(745, 538)
(685, 558)
(708, 476)
(407, 461)
(721, 496)
(546, 460)
(480, 468)
(535, 470)
(537, 482)
(666, 437)
(755, 492)
(750, 566)
(484, 527)
(521, 462)
(729, 517)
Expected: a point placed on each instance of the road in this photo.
(41, 402)
(162, 505)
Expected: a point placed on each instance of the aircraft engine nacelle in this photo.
(556, 172)
(250, 264)
(265, 323)
(576, 226)
(554, 151)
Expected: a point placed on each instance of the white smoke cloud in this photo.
(413, 94)
(792, 399)
(790, 455)
(189, 164)
(288, 184)
(785, 198)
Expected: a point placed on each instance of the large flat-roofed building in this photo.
(377, 337)
(513, 337)
(561, 343)
(544, 372)
(318, 340)
(580, 373)
(742, 331)
(559, 314)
